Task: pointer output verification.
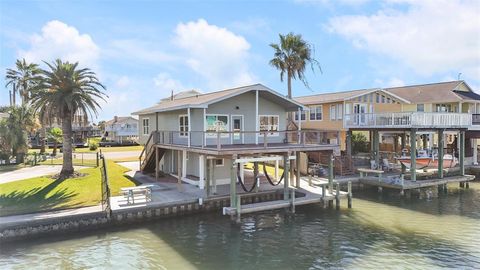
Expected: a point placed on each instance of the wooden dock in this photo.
(408, 184)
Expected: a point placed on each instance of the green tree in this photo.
(14, 131)
(55, 135)
(359, 143)
(22, 79)
(65, 90)
(291, 57)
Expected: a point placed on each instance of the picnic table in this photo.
(364, 172)
(130, 193)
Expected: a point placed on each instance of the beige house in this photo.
(425, 107)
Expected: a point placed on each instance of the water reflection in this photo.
(379, 232)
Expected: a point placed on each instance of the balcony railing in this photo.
(408, 120)
(475, 119)
(242, 139)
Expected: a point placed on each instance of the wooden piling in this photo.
(292, 200)
(286, 176)
(349, 197)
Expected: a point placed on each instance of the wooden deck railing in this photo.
(408, 120)
(230, 139)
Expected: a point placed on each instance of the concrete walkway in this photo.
(42, 216)
(30, 172)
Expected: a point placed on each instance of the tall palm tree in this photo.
(64, 91)
(22, 79)
(14, 130)
(291, 57)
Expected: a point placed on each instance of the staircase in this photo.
(147, 156)
(343, 165)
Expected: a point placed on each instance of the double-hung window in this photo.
(269, 123)
(302, 116)
(340, 111)
(146, 128)
(316, 113)
(333, 112)
(183, 125)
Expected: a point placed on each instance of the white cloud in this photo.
(164, 82)
(215, 53)
(122, 82)
(59, 40)
(428, 36)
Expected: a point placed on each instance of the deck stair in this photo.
(147, 156)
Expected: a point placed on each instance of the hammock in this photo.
(268, 176)
(241, 182)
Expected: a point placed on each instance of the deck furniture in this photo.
(130, 193)
(364, 172)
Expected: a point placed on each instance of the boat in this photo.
(424, 160)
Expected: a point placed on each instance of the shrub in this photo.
(93, 146)
(359, 143)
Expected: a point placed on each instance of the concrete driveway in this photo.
(30, 172)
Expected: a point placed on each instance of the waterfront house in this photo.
(204, 136)
(452, 107)
(122, 129)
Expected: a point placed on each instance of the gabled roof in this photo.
(203, 100)
(422, 93)
(183, 94)
(120, 120)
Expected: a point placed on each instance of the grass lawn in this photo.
(270, 169)
(46, 194)
(111, 149)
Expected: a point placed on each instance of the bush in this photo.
(359, 143)
(93, 146)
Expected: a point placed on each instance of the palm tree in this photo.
(14, 130)
(22, 79)
(55, 135)
(64, 91)
(291, 56)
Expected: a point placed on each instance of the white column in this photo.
(204, 126)
(242, 172)
(474, 146)
(276, 169)
(256, 117)
(201, 173)
(299, 119)
(184, 164)
(189, 126)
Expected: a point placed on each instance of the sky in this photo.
(142, 50)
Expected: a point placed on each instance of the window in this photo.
(420, 107)
(333, 112)
(364, 98)
(146, 128)
(370, 98)
(183, 125)
(378, 98)
(383, 99)
(316, 113)
(219, 162)
(302, 116)
(388, 100)
(216, 123)
(340, 111)
(268, 123)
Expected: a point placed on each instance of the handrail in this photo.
(146, 148)
(408, 119)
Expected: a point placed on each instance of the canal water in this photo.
(380, 232)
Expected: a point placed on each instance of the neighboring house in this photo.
(122, 129)
(452, 106)
(181, 135)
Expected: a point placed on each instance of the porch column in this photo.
(233, 182)
(201, 173)
(156, 121)
(204, 127)
(441, 145)
(461, 154)
(349, 143)
(475, 154)
(299, 119)
(156, 163)
(256, 117)
(376, 147)
(297, 179)
(189, 126)
(403, 142)
(413, 154)
(209, 165)
(184, 163)
(179, 170)
(276, 169)
(242, 171)
(285, 180)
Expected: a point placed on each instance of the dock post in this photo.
(467, 184)
(413, 155)
(376, 149)
(337, 196)
(440, 153)
(208, 178)
(310, 180)
(285, 178)
(233, 183)
(462, 184)
(239, 208)
(297, 177)
(349, 197)
(212, 178)
(403, 142)
(292, 200)
(330, 174)
(255, 175)
(349, 143)
(179, 170)
(461, 155)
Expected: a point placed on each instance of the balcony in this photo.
(231, 142)
(409, 120)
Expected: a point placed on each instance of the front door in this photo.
(237, 128)
(359, 111)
